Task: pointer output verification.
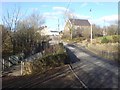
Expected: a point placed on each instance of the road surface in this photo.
(94, 71)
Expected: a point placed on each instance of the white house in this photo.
(54, 33)
(45, 31)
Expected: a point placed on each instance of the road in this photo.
(93, 70)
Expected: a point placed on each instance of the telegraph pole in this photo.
(104, 29)
(91, 27)
(58, 25)
(58, 30)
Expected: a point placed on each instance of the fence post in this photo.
(108, 55)
(21, 67)
(9, 64)
(101, 53)
(3, 63)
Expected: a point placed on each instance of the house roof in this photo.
(80, 22)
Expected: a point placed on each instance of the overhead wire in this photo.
(67, 9)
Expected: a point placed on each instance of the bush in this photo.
(115, 39)
(61, 44)
(47, 62)
(104, 40)
(50, 60)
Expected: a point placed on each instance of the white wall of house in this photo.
(44, 32)
(54, 33)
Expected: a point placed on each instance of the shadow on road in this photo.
(71, 55)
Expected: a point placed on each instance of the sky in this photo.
(102, 13)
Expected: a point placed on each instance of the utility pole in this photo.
(58, 25)
(58, 30)
(104, 29)
(91, 26)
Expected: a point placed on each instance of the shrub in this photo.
(47, 62)
(115, 39)
(61, 44)
(104, 40)
(50, 60)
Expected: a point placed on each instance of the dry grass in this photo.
(96, 44)
(108, 47)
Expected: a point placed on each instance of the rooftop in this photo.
(80, 22)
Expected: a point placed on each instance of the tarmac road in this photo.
(93, 70)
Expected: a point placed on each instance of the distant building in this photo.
(76, 27)
(54, 33)
(47, 32)
(44, 31)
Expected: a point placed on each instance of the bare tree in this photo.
(27, 30)
(15, 24)
(69, 14)
(6, 42)
(36, 20)
(10, 20)
(97, 31)
(112, 30)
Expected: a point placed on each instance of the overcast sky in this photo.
(102, 13)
